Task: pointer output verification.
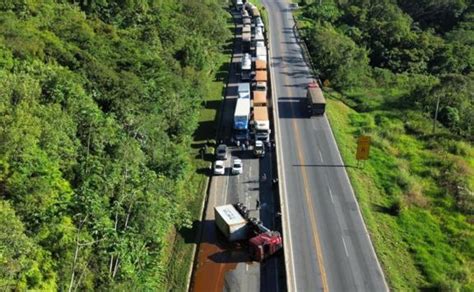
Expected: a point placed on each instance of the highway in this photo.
(221, 266)
(327, 244)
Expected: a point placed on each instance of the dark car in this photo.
(221, 152)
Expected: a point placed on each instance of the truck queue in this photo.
(251, 119)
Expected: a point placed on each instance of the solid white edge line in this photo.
(357, 204)
(290, 276)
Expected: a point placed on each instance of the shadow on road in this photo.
(322, 165)
(292, 108)
(299, 85)
(236, 255)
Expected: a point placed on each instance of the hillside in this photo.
(98, 103)
(387, 66)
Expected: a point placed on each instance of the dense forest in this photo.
(401, 71)
(98, 104)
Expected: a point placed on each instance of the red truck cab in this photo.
(264, 245)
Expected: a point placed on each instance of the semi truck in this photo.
(246, 38)
(315, 99)
(261, 124)
(258, 36)
(259, 98)
(236, 225)
(241, 120)
(260, 65)
(246, 67)
(239, 4)
(243, 90)
(261, 53)
(246, 21)
(245, 13)
(260, 80)
(254, 11)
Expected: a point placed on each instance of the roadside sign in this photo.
(363, 147)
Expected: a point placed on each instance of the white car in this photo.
(237, 167)
(219, 168)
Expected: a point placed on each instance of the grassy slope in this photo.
(181, 257)
(428, 243)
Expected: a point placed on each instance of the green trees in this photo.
(98, 103)
(393, 61)
(346, 37)
(340, 60)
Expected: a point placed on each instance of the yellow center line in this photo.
(309, 200)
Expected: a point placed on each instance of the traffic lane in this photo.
(326, 207)
(307, 273)
(244, 187)
(349, 235)
(209, 244)
(335, 238)
(360, 248)
(269, 269)
(215, 255)
(297, 108)
(352, 202)
(304, 267)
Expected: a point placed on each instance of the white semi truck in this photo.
(243, 90)
(241, 120)
(261, 123)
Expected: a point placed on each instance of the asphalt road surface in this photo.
(328, 246)
(222, 266)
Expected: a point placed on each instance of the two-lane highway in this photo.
(327, 246)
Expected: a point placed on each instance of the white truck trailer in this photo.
(244, 90)
(230, 222)
(246, 67)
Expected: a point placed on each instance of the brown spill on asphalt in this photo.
(210, 272)
(215, 258)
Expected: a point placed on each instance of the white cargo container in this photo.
(246, 67)
(244, 90)
(261, 53)
(230, 222)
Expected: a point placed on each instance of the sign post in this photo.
(363, 148)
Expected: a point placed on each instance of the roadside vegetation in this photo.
(99, 102)
(202, 153)
(384, 65)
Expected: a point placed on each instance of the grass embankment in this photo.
(423, 236)
(182, 253)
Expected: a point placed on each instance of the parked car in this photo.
(221, 152)
(237, 167)
(219, 168)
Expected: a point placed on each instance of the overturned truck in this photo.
(236, 225)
